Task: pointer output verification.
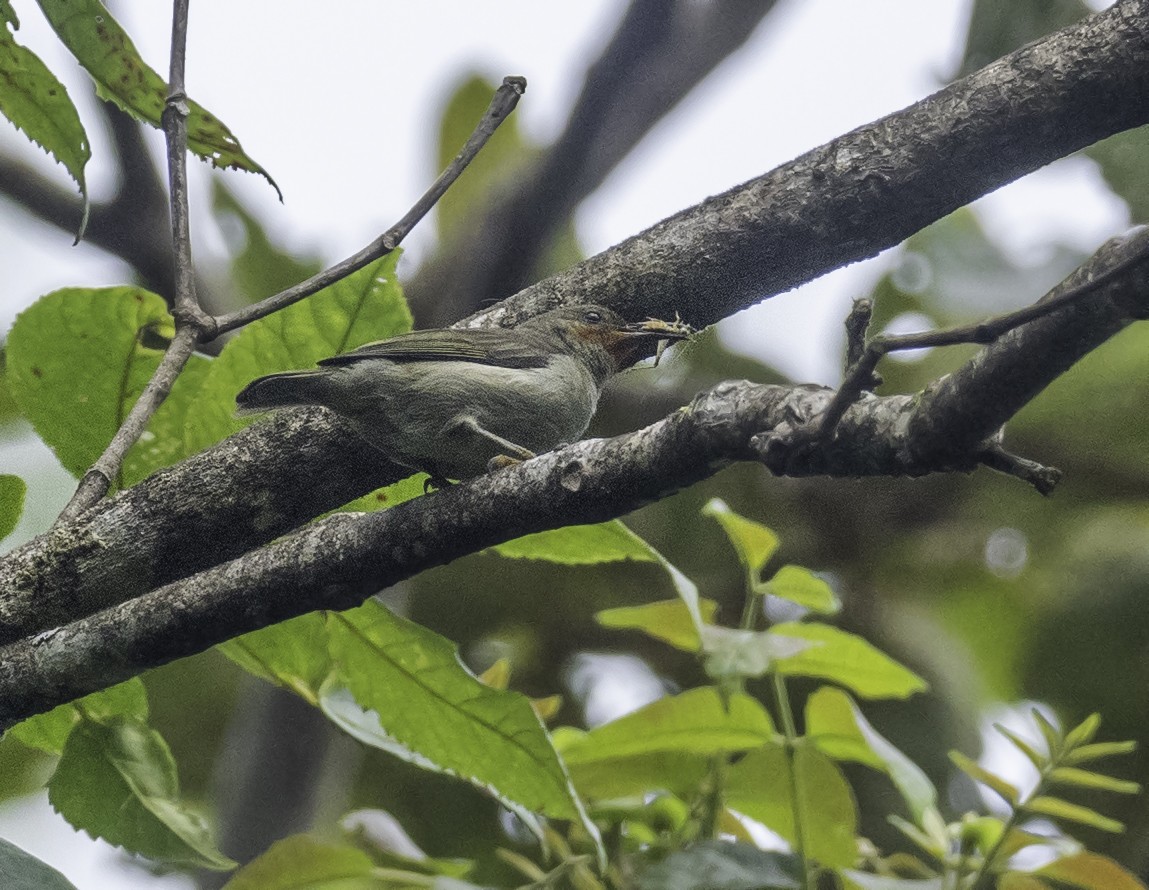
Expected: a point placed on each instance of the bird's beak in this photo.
(656, 328)
(640, 335)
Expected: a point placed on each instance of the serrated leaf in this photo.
(106, 52)
(301, 862)
(666, 620)
(1034, 756)
(754, 543)
(836, 726)
(292, 654)
(1098, 750)
(722, 866)
(37, 103)
(1071, 812)
(736, 653)
(1083, 733)
(848, 660)
(430, 704)
(12, 491)
(1091, 871)
(1069, 775)
(980, 774)
(366, 305)
(580, 545)
(91, 334)
(699, 721)
(761, 786)
(117, 781)
(801, 586)
(20, 870)
(49, 731)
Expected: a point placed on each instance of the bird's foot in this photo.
(435, 482)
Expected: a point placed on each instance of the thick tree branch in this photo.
(660, 52)
(871, 188)
(328, 564)
(860, 193)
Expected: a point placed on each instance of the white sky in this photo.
(339, 108)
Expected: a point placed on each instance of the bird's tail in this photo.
(283, 390)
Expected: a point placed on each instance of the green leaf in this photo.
(699, 721)
(1069, 775)
(640, 774)
(1083, 733)
(1098, 750)
(35, 100)
(761, 786)
(719, 865)
(1052, 735)
(49, 731)
(801, 586)
(735, 653)
(1091, 871)
(76, 365)
(836, 726)
(980, 774)
(106, 52)
(117, 781)
(1071, 812)
(860, 880)
(292, 654)
(366, 305)
(667, 620)
(23, 871)
(754, 542)
(580, 545)
(1035, 757)
(12, 491)
(301, 862)
(847, 660)
(429, 704)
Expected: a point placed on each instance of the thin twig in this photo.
(861, 372)
(502, 104)
(193, 325)
(96, 482)
(188, 315)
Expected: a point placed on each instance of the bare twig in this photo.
(857, 323)
(503, 103)
(188, 315)
(860, 375)
(193, 325)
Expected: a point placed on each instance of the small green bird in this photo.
(456, 403)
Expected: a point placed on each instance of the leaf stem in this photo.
(790, 731)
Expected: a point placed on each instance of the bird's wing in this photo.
(482, 346)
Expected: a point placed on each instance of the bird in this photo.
(457, 403)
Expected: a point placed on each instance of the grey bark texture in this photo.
(164, 569)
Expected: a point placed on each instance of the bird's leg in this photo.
(512, 453)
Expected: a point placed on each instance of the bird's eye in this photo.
(592, 317)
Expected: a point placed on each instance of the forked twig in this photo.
(193, 325)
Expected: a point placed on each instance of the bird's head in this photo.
(594, 332)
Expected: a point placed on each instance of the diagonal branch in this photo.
(328, 564)
(856, 195)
